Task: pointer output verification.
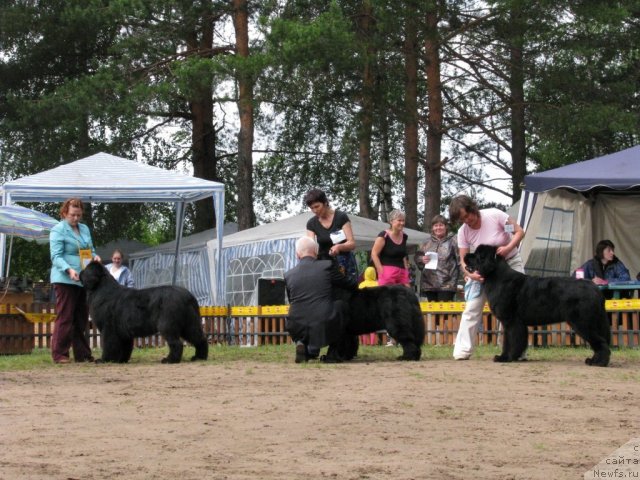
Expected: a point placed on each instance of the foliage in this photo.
(583, 94)
(308, 87)
(29, 260)
(134, 78)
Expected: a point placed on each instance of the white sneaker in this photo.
(390, 344)
(462, 357)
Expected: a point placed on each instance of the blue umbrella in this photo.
(22, 222)
(25, 223)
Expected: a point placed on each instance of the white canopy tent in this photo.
(107, 178)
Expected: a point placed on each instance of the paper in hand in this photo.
(430, 260)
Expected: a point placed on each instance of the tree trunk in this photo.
(366, 112)
(386, 204)
(518, 139)
(244, 179)
(202, 130)
(411, 120)
(433, 182)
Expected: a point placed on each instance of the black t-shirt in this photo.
(393, 254)
(323, 235)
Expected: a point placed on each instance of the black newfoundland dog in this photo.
(122, 314)
(394, 308)
(518, 300)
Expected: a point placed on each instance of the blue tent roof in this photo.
(618, 171)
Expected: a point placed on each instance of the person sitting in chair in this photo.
(605, 267)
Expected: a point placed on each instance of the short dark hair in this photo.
(602, 244)
(439, 219)
(315, 195)
(460, 202)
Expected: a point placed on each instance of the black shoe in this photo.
(301, 353)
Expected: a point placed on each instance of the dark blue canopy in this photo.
(618, 171)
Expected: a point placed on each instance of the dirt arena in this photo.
(244, 419)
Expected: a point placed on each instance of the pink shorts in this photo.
(393, 276)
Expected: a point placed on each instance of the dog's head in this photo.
(484, 260)
(93, 274)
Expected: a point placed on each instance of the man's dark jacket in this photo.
(315, 318)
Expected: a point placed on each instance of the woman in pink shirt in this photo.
(480, 227)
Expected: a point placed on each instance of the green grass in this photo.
(41, 358)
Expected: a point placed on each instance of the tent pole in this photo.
(218, 205)
(9, 256)
(3, 238)
(3, 244)
(180, 208)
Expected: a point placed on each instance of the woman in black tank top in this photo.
(332, 230)
(389, 252)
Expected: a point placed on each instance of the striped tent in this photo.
(107, 178)
(152, 266)
(267, 251)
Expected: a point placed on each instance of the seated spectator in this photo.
(605, 267)
(119, 271)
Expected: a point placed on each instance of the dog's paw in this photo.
(412, 356)
(330, 359)
(501, 358)
(169, 360)
(592, 362)
(406, 358)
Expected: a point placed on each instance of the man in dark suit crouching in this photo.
(315, 318)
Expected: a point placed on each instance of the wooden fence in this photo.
(27, 326)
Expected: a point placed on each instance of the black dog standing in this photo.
(518, 301)
(122, 314)
(394, 308)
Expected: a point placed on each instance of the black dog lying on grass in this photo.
(394, 308)
(518, 301)
(122, 314)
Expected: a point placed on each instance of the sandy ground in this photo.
(433, 419)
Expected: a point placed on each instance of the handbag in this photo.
(347, 264)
